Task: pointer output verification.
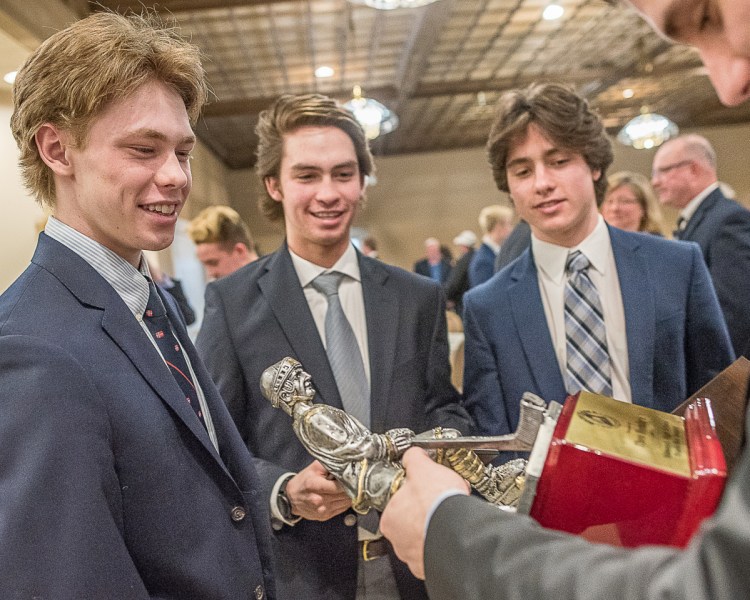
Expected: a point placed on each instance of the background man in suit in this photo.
(496, 222)
(660, 332)
(684, 177)
(434, 265)
(313, 158)
(113, 485)
(458, 282)
(222, 241)
(468, 549)
(518, 240)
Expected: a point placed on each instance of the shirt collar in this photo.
(307, 271)
(129, 283)
(693, 205)
(486, 239)
(551, 258)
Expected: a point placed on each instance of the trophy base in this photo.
(623, 474)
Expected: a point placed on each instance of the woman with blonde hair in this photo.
(630, 203)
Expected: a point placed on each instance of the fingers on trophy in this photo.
(368, 464)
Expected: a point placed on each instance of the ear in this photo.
(273, 188)
(52, 144)
(597, 174)
(239, 249)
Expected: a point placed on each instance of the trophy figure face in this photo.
(286, 384)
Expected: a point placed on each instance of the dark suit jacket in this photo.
(482, 265)
(721, 227)
(422, 267)
(518, 240)
(677, 339)
(458, 282)
(257, 316)
(110, 486)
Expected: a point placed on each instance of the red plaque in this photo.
(628, 475)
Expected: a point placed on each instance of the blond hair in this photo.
(493, 214)
(290, 113)
(640, 186)
(78, 72)
(220, 225)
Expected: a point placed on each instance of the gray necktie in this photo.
(343, 351)
(588, 363)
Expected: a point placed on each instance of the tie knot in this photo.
(154, 307)
(577, 262)
(328, 283)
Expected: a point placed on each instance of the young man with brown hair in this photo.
(372, 336)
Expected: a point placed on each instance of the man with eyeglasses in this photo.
(684, 177)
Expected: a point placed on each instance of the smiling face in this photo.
(719, 29)
(622, 209)
(552, 188)
(320, 188)
(127, 184)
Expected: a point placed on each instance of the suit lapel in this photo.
(640, 313)
(708, 203)
(381, 313)
(281, 289)
(528, 315)
(92, 290)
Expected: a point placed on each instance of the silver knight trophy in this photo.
(368, 464)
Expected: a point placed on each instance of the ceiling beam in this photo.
(179, 6)
(230, 108)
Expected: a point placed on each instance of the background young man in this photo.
(390, 368)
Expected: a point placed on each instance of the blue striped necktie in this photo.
(587, 357)
(343, 351)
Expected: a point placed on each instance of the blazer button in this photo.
(259, 593)
(238, 513)
(350, 520)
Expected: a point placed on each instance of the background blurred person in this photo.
(630, 204)
(496, 222)
(223, 241)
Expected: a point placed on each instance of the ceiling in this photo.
(440, 68)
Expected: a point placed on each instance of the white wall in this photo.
(21, 215)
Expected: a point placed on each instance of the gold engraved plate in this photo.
(630, 432)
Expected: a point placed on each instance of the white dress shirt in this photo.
(550, 262)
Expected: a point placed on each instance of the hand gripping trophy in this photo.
(367, 464)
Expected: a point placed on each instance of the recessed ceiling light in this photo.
(10, 77)
(323, 72)
(628, 93)
(552, 12)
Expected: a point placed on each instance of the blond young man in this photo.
(113, 484)
(223, 241)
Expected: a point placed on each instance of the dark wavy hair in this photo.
(562, 115)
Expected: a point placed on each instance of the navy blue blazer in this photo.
(257, 316)
(110, 486)
(677, 338)
(721, 227)
(482, 265)
(422, 267)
